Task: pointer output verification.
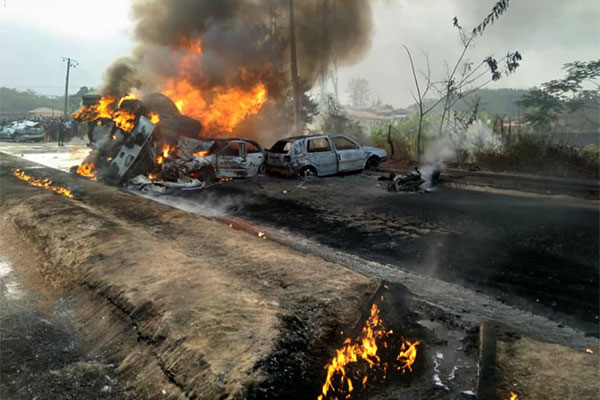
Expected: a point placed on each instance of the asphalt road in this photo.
(534, 253)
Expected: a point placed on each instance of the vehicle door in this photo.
(320, 153)
(351, 156)
(255, 157)
(231, 160)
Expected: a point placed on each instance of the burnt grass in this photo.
(530, 253)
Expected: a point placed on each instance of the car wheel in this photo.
(373, 162)
(262, 169)
(307, 171)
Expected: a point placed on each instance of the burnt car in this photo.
(321, 155)
(229, 158)
(23, 131)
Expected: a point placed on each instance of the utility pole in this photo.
(70, 64)
(294, 70)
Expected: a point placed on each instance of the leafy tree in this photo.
(545, 105)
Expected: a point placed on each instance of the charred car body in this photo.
(23, 131)
(321, 155)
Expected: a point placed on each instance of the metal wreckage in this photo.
(149, 145)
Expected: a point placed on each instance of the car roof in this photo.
(309, 136)
(254, 142)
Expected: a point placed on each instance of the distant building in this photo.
(371, 117)
(44, 112)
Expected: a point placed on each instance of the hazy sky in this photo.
(35, 34)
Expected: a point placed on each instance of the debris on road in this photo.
(415, 181)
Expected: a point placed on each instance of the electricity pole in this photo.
(294, 70)
(70, 64)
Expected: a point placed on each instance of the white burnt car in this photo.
(231, 158)
(321, 155)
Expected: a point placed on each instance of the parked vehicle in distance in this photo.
(321, 155)
(22, 131)
(233, 158)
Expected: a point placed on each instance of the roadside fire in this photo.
(513, 396)
(44, 183)
(87, 170)
(360, 362)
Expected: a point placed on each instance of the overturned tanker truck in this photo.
(148, 144)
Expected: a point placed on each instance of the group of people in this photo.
(61, 129)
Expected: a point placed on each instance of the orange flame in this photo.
(364, 348)
(220, 108)
(124, 119)
(87, 170)
(202, 153)
(43, 183)
(164, 153)
(130, 96)
(103, 109)
(108, 107)
(154, 117)
(407, 355)
(513, 396)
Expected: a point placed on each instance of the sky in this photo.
(36, 34)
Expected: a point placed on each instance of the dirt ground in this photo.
(194, 291)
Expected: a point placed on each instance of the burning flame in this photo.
(109, 107)
(164, 153)
(103, 109)
(201, 153)
(130, 96)
(124, 119)
(513, 396)
(407, 355)
(87, 170)
(43, 183)
(219, 108)
(363, 349)
(261, 235)
(154, 117)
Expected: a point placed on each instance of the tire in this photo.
(262, 169)
(373, 162)
(307, 171)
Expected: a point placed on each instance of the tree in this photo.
(545, 105)
(335, 121)
(464, 78)
(358, 90)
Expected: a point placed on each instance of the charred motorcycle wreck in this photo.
(415, 181)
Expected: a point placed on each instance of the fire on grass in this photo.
(42, 183)
(361, 362)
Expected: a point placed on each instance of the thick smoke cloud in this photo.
(242, 41)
